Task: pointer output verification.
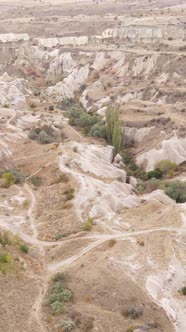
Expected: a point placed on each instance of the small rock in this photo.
(136, 312)
(122, 165)
(133, 181)
(117, 158)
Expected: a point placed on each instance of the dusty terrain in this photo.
(125, 273)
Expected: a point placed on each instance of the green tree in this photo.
(111, 115)
(117, 137)
(114, 129)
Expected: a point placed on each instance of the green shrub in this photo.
(68, 103)
(5, 258)
(51, 107)
(140, 187)
(26, 204)
(85, 131)
(66, 295)
(53, 298)
(151, 185)
(37, 130)
(166, 166)
(176, 190)
(131, 328)
(6, 263)
(183, 290)
(5, 239)
(44, 138)
(132, 168)
(57, 307)
(58, 294)
(59, 277)
(57, 288)
(62, 178)
(9, 179)
(66, 325)
(126, 157)
(41, 136)
(112, 242)
(87, 225)
(76, 111)
(33, 135)
(36, 181)
(32, 105)
(69, 194)
(24, 248)
(19, 177)
(99, 130)
(59, 236)
(79, 117)
(156, 173)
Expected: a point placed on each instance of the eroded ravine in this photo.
(165, 300)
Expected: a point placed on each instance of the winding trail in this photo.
(49, 269)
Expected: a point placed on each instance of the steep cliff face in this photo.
(146, 33)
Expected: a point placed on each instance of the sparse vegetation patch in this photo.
(58, 296)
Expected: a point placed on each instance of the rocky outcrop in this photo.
(13, 92)
(13, 37)
(6, 159)
(70, 84)
(173, 149)
(145, 33)
(63, 41)
(60, 67)
(102, 190)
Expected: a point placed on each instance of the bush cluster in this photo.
(132, 168)
(67, 103)
(12, 176)
(176, 190)
(92, 125)
(66, 325)
(41, 136)
(166, 167)
(80, 118)
(151, 180)
(59, 295)
(156, 173)
(99, 130)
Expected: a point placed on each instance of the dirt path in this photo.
(86, 186)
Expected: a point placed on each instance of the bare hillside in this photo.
(92, 166)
